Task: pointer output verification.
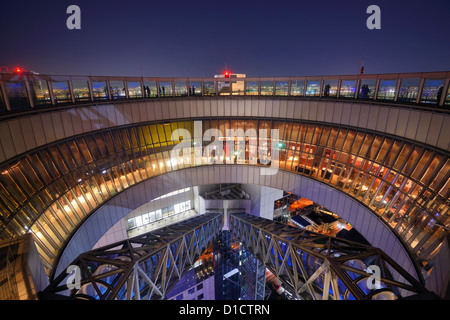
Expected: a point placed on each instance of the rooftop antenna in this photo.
(361, 66)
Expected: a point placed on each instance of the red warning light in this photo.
(227, 74)
(18, 70)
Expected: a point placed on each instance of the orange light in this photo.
(227, 74)
(18, 70)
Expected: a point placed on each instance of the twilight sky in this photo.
(197, 38)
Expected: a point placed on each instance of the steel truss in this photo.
(143, 267)
(317, 266)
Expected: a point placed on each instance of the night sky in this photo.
(198, 38)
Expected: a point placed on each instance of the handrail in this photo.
(24, 92)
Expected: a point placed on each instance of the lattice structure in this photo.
(143, 267)
(317, 266)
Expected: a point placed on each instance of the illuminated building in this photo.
(78, 154)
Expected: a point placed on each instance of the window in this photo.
(367, 89)
(145, 218)
(297, 87)
(330, 88)
(80, 90)
(409, 89)
(447, 98)
(224, 87)
(134, 89)
(138, 220)
(165, 89)
(313, 88)
(130, 223)
(17, 95)
(61, 91)
(117, 89)
(40, 92)
(432, 89)
(281, 88)
(100, 90)
(180, 88)
(237, 87)
(195, 88)
(150, 89)
(387, 88)
(348, 89)
(252, 88)
(209, 88)
(266, 88)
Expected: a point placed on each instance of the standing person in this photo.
(439, 95)
(327, 90)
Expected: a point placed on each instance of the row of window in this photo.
(146, 218)
(45, 92)
(52, 190)
(191, 294)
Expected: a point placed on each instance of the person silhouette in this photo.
(326, 92)
(439, 95)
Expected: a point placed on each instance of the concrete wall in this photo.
(25, 133)
(262, 199)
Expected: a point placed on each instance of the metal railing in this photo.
(19, 92)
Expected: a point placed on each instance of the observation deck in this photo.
(373, 148)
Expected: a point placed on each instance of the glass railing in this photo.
(24, 91)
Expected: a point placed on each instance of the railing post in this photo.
(125, 86)
(444, 93)
(5, 96)
(358, 84)
(419, 92)
(397, 89)
(28, 89)
(338, 88)
(72, 96)
(91, 94)
(50, 91)
(377, 86)
(108, 89)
